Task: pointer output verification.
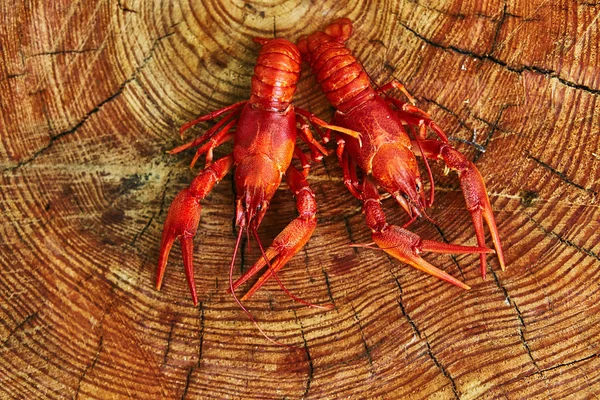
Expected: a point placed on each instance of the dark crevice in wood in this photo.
(89, 367)
(201, 334)
(362, 336)
(403, 309)
(62, 52)
(451, 112)
(570, 363)
(125, 8)
(560, 174)
(169, 338)
(311, 367)
(94, 110)
(441, 368)
(187, 382)
(418, 333)
(519, 317)
(19, 326)
(498, 28)
(519, 70)
(12, 76)
(567, 242)
(155, 214)
(541, 372)
(349, 233)
(70, 131)
(493, 126)
(329, 293)
(307, 262)
(522, 335)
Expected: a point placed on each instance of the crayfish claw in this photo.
(406, 247)
(182, 222)
(474, 191)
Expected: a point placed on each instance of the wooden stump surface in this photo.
(92, 95)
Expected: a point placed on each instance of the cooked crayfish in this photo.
(264, 142)
(386, 155)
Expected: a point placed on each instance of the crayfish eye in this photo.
(405, 196)
(418, 187)
(259, 207)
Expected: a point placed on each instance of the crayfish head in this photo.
(395, 169)
(256, 182)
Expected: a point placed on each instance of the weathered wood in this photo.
(91, 96)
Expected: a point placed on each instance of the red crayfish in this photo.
(386, 154)
(264, 142)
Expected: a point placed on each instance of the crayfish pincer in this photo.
(264, 142)
(392, 135)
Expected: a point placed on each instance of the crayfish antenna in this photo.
(248, 314)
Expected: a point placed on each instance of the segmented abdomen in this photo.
(339, 73)
(276, 73)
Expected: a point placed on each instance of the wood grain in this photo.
(91, 97)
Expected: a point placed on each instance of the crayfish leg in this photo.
(348, 168)
(414, 116)
(395, 84)
(211, 115)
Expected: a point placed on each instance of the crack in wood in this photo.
(349, 232)
(442, 368)
(519, 317)
(94, 110)
(493, 128)
(89, 367)
(328, 284)
(62, 52)
(169, 338)
(19, 326)
(522, 335)
(567, 242)
(424, 337)
(560, 174)
(12, 76)
(362, 336)
(187, 382)
(311, 367)
(498, 28)
(155, 214)
(201, 333)
(125, 8)
(403, 309)
(451, 112)
(518, 70)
